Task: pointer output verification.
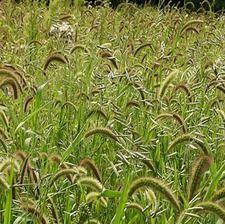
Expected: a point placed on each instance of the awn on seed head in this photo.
(199, 167)
(55, 56)
(157, 185)
(89, 163)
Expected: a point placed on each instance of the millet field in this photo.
(111, 116)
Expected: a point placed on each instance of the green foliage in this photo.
(209, 4)
(111, 116)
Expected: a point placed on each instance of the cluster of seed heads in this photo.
(116, 128)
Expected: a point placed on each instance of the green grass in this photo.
(137, 91)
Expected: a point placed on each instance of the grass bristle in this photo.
(55, 56)
(142, 47)
(166, 83)
(135, 206)
(199, 167)
(81, 47)
(219, 195)
(102, 131)
(12, 83)
(174, 116)
(92, 196)
(188, 137)
(156, 185)
(190, 24)
(4, 183)
(4, 118)
(185, 88)
(100, 112)
(24, 169)
(27, 103)
(89, 163)
(132, 103)
(211, 207)
(90, 182)
(61, 173)
(34, 211)
(54, 211)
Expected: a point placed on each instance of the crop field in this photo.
(111, 116)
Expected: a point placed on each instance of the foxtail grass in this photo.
(142, 47)
(34, 211)
(174, 116)
(157, 185)
(91, 182)
(166, 82)
(199, 167)
(190, 23)
(61, 173)
(219, 194)
(187, 137)
(211, 207)
(101, 131)
(55, 56)
(89, 163)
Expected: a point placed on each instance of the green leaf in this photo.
(73, 144)
(214, 183)
(8, 206)
(110, 193)
(124, 196)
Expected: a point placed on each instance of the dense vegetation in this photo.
(213, 5)
(119, 119)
